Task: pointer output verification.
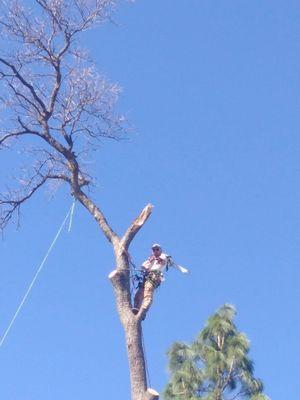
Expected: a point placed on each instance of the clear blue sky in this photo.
(212, 89)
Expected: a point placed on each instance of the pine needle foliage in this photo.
(215, 366)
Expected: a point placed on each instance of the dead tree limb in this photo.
(136, 226)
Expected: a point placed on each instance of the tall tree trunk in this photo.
(120, 279)
(132, 325)
(136, 358)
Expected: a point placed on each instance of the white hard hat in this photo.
(156, 245)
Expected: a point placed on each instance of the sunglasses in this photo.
(156, 249)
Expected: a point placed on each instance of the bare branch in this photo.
(16, 134)
(136, 226)
(25, 83)
(55, 89)
(98, 215)
(10, 206)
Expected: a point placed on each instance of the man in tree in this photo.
(152, 276)
(215, 366)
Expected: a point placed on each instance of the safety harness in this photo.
(140, 276)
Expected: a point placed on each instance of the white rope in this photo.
(70, 213)
(71, 216)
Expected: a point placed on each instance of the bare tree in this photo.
(52, 95)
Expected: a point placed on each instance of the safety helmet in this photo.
(156, 245)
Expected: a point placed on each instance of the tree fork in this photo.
(132, 324)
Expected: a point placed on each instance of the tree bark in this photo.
(136, 358)
(120, 279)
(132, 325)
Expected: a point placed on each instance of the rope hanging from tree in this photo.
(69, 215)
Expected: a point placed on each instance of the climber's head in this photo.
(156, 249)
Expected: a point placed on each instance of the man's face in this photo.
(156, 251)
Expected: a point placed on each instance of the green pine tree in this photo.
(214, 367)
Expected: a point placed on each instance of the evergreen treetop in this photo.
(216, 366)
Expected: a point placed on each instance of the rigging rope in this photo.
(69, 214)
(145, 357)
